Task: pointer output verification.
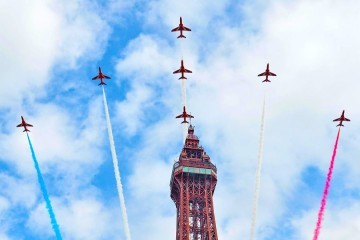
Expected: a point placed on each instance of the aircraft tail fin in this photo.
(102, 83)
(181, 36)
(266, 80)
(182, 77)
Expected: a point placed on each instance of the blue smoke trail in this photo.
(54, 223)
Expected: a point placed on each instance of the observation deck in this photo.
(193, 160)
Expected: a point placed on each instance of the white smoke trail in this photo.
(181, 48)
(183, 93)
(258, 174)
(116, 171)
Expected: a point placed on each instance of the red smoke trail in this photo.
(326, 191)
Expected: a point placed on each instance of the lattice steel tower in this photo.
(192, 184)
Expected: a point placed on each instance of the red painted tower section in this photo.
(193, 182)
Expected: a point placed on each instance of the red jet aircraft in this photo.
(182, 70)
(181, 28)
(24, 124)
(267, 73)
(184, 115)
(101, 76)
(341, 119)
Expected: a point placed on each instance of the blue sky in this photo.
(51, 49)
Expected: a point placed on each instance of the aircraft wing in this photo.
(338, 119)
(20, 125)
(346, 119)
(96, 77)
(189, 116)
(272, 74)
(187, 71)
(262, 74)
(186, 29)
(177, 71)
(27, 124)
(176, 29)
(106, 77)
(180, 116)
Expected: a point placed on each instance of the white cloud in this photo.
(3, 237)
(131, 114)
(146, 58)
(78, 219)
(58, 139)
(27, 48)
(4, 205)
(340, 222)
(196, 14)
(148, 63)
(83, 30)
(4, 216)
(40, 34)
(18, 192)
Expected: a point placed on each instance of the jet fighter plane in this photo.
(267, 73)
(24, 124)
(101, 76)
(182, 70)
(181, 28)
(341, 119)
(184, 115)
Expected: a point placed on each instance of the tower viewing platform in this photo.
(193, 158)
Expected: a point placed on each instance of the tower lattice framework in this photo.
(193, 183)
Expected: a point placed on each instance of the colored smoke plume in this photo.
(326, 190)
(54, 223)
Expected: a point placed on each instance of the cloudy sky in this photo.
(50, 50)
